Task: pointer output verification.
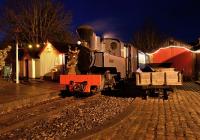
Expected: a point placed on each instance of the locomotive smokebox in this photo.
(85, 33)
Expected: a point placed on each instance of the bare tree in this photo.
(147, 38)
(36, 21)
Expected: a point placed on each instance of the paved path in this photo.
(158, 119)
(13, 96)
(10, 91)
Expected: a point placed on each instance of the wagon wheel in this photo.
(165, 94)
(145, 94)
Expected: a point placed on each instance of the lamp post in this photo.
(17, 31)
(17, 62)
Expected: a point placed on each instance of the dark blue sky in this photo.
(177, 18)
(120, 18)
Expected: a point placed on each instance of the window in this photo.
(113, 45)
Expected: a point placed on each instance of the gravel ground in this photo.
(72, 119)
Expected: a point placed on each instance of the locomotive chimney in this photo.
(85, 33)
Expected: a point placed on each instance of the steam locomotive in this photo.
(88, 78)
(92, 66)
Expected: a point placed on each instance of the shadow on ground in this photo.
(126, 90)
(129, 89)
(64, 94)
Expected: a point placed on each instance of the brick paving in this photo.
(158, 119)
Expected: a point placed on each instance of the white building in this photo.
(42, 63)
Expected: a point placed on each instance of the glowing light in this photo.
(38, 45)
(79, 42)
(198, 51)
(30, 46)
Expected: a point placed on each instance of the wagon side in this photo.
(155, 82)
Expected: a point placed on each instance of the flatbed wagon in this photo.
(160, 81)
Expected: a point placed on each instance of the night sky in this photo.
(120, 18)
(176, 18)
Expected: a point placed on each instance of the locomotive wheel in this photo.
(77, 88)
(67, 91)
(93, 89)
(80, 87)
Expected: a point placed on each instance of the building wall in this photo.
(33, 68)
(37, 68)
(181, 58)
(21, 68)
(23, 71)
(198, 65)
(30, 68)
(49, 58)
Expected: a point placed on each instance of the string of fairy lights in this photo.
(32, 45)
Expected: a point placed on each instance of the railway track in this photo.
(26, 116)
(65, 117)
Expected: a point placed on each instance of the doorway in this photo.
(26, 69)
